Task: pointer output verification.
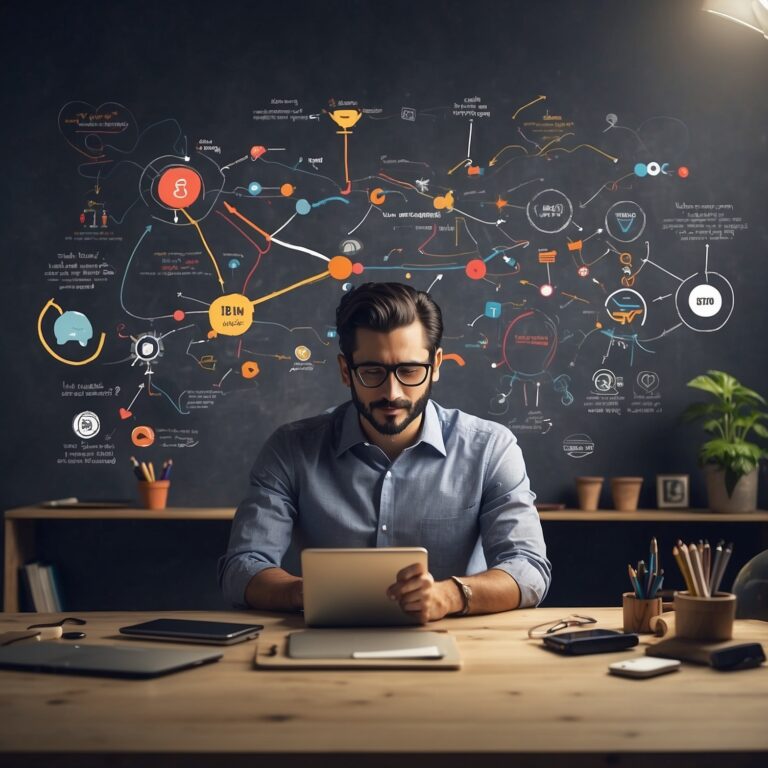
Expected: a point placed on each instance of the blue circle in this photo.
(303, 207)
(233, 264)
(641, 169)
(254, 188)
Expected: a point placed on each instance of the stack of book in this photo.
(41, 588)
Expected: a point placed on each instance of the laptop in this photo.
(347, 587)
(105, 660)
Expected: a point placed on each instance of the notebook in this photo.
(347, 587)
(105, 660)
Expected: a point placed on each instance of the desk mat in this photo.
(272, 651)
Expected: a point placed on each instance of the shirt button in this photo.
(389, 474)
(384, 527)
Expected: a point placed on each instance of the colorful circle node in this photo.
(303, 207)
(546, 290)
(476, 269)
(179, 187)
(358, 268)
(254, 188)
(683, 172)
(377, 196)
(286, 190)
(340, 267)
(179, 315)
(641, 169)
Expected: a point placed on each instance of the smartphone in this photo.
(645, 666)
(590, 641)
(192, 631)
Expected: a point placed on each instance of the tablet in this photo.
(192, 631)
(347, 587)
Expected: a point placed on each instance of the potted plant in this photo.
(730, 461)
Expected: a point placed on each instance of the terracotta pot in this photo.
(626, 492)
(743, 498)
(588, 490)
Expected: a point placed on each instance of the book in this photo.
(34, 579)
(50, 588)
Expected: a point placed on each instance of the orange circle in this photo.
(286, 190)
(340, 267)
(377, 196)
(179, 187)
(143, 437)
(476, 269)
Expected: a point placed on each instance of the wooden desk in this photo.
(513, 703)
(21, 523)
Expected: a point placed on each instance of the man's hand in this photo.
(420, 595)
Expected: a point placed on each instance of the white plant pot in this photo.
(743, 498)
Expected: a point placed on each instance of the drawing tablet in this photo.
(347, 587)
(104, 660)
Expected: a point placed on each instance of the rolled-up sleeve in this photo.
(509, 522)
(263, 523)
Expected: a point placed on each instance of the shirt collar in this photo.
(352, 433)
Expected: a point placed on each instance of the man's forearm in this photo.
(492, 591)
(274, 589)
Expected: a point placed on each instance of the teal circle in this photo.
(254, 188)
(303, 207)
(641, 169)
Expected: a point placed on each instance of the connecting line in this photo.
(170, 399)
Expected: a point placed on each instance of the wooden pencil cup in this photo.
(638, 613)
(705, 618)
(154, 495)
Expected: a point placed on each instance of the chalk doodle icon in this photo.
(179, 186)
(70, 326)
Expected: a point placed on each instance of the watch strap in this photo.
(466, 596)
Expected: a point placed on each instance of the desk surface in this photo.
(511, 698)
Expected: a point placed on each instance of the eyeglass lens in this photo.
(408, 375)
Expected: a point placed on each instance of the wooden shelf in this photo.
(20, 525)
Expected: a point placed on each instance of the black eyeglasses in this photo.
(373, 375)
(574, 620)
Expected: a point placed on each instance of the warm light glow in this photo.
(752, 14)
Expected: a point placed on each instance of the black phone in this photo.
(590, 641)
(192, 631)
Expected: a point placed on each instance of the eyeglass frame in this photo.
(572, 620)
(389, 369)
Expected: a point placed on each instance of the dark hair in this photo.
(383, 307)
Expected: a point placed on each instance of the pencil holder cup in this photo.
(638, 612)
(588, 490)
(705, 618)
(626, 492)
(154, 495)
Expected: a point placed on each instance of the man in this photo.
(391, 468)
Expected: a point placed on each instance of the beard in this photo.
(390, 426)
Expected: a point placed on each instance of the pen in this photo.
(706, 552)
(716, 565)
(723, 563)
(136, 468)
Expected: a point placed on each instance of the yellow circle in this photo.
(302, 353)
(231, 315)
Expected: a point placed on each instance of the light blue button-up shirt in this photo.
(318, 482)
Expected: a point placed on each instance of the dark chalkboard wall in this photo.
(499, 147)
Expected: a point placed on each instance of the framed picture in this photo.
(672, 491)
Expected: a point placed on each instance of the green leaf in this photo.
(760, 430)
(707, 384)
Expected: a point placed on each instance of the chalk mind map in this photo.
(537, 235)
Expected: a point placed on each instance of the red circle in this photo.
(358, 268)
(683, 172)
(476, 269)
(179, 187)
(179, 315)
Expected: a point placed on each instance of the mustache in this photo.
(391, 404)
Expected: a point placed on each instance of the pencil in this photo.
(677, 551)
(702, 586)
(151, 471)
(635, 583)
(145, 472)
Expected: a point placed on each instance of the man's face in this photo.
(391, 407)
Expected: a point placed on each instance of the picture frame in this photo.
(672, 491)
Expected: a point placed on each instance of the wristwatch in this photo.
(466, 596)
